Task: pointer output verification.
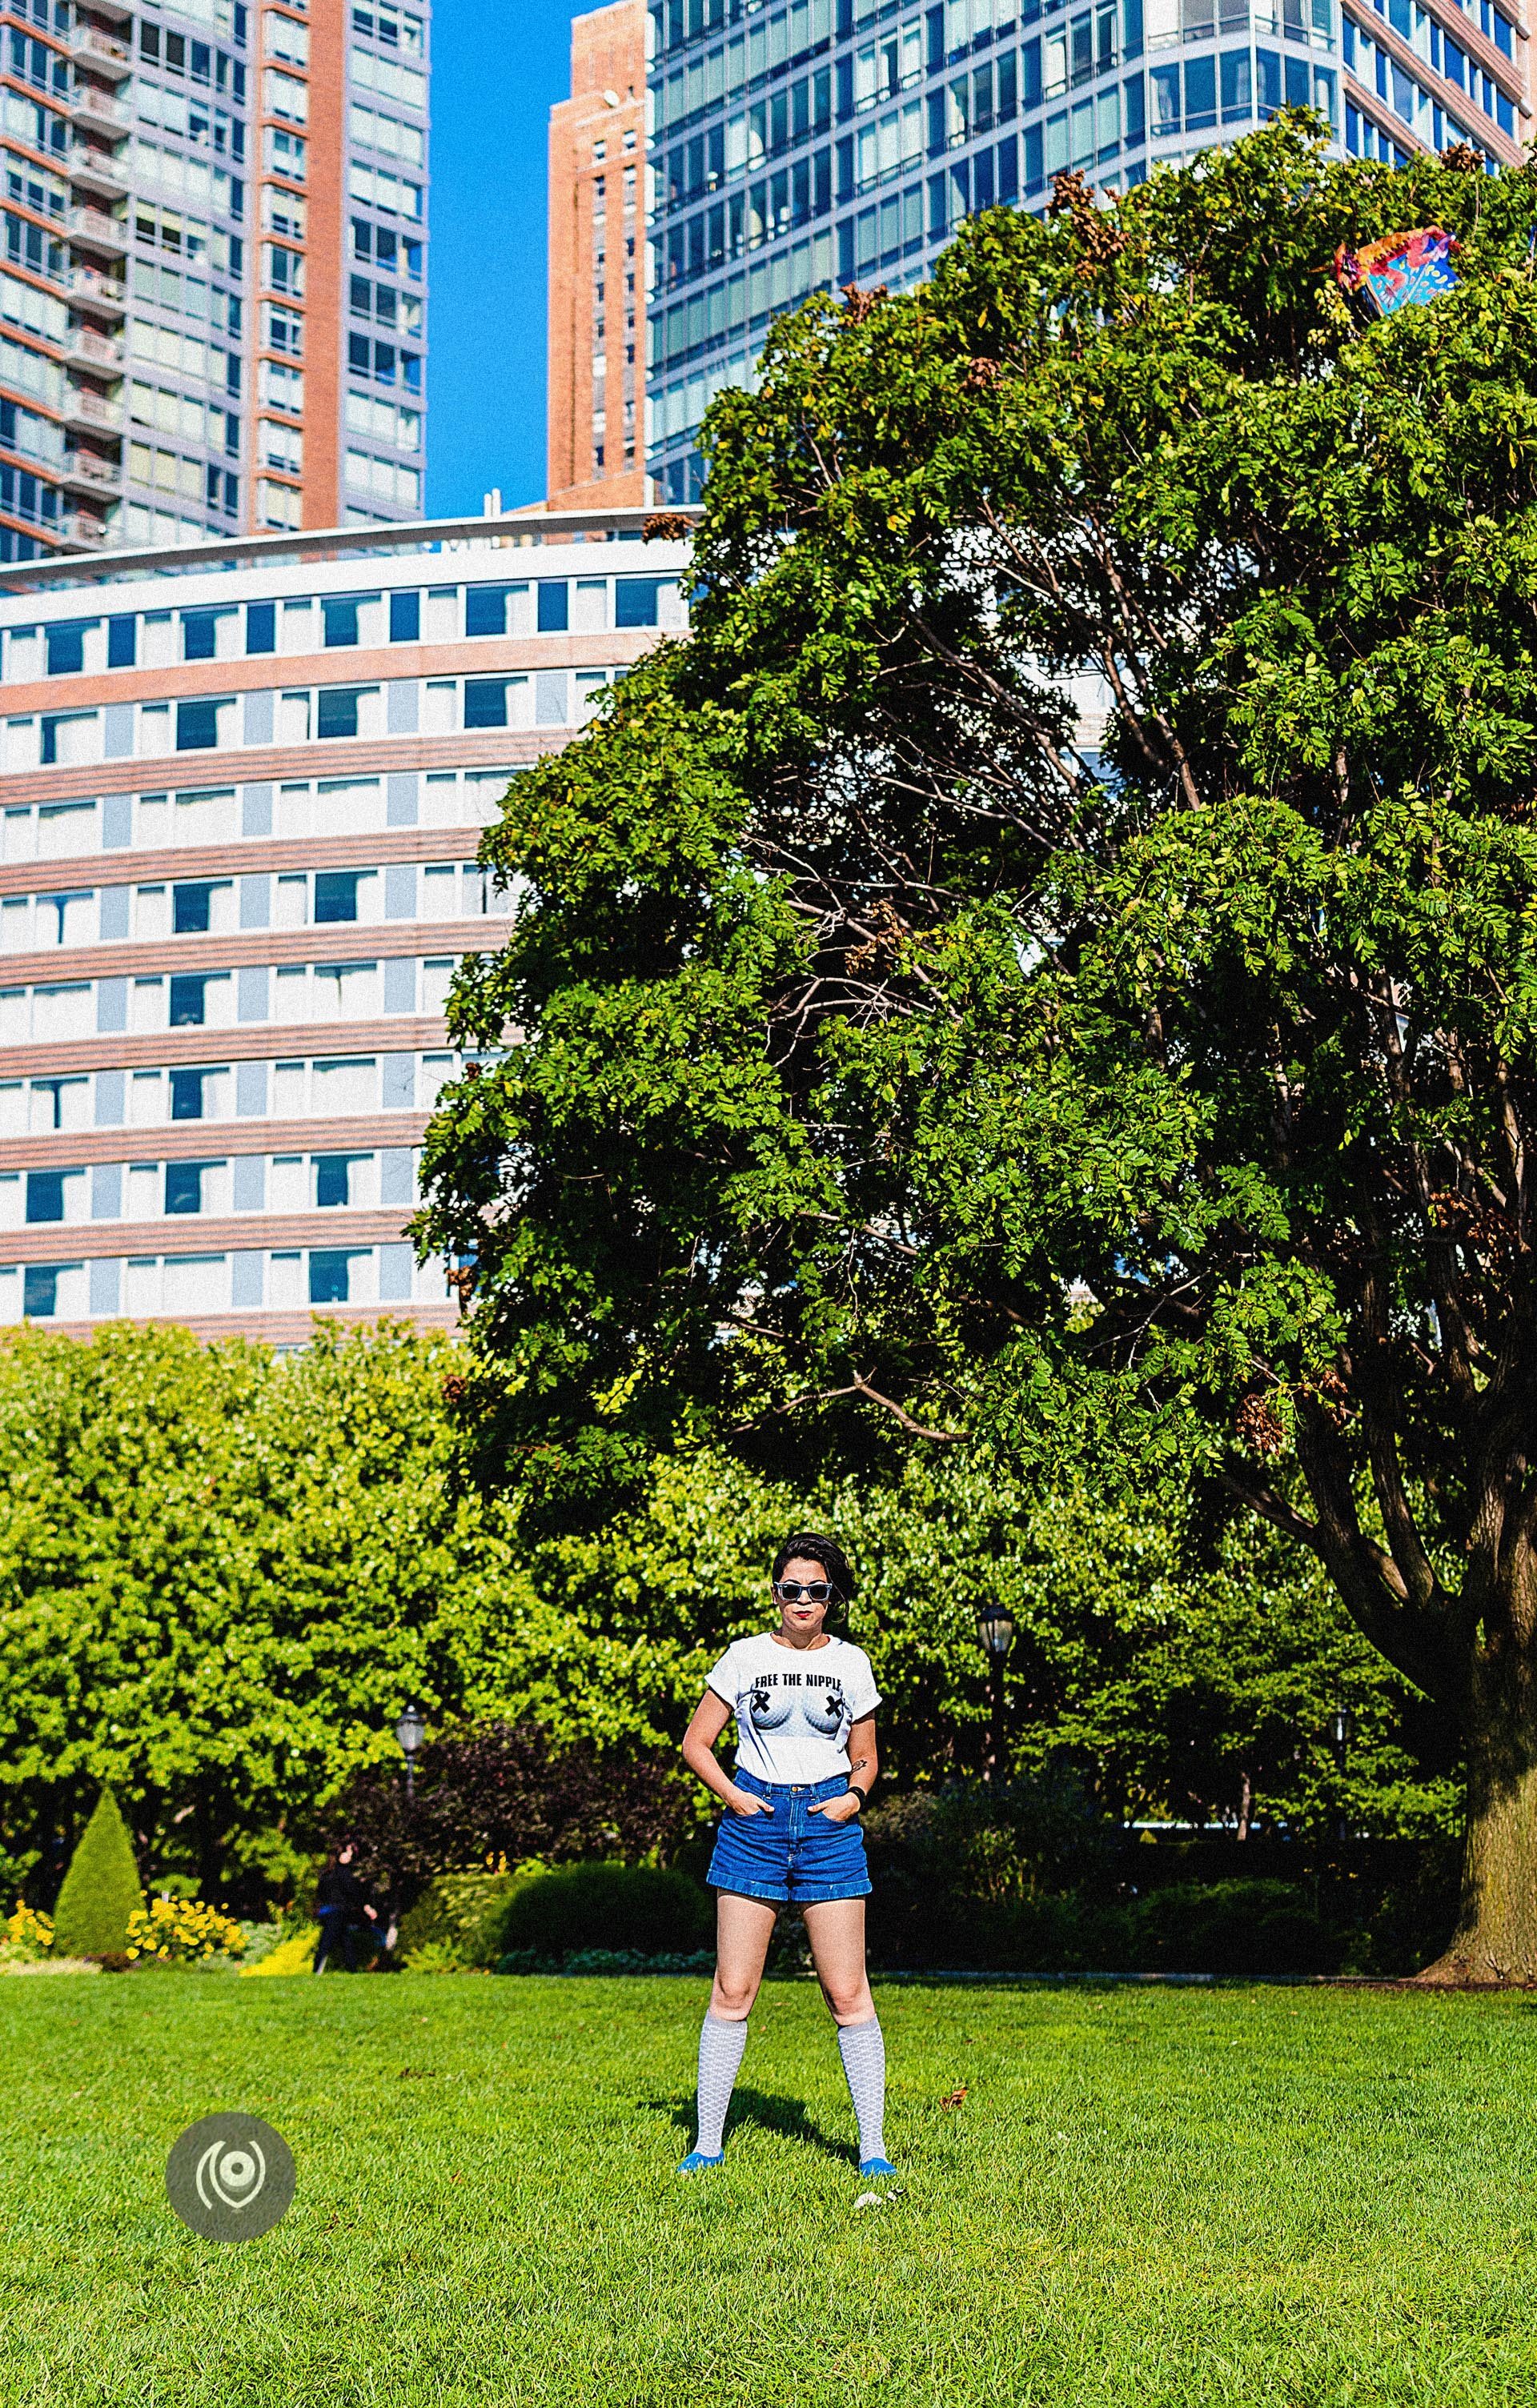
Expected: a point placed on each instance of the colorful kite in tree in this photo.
(1397, 268)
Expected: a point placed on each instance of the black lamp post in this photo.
(409, 1731)
(1342, 1731)
(996, 1633)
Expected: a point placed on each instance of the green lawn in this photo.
(1146, 2197)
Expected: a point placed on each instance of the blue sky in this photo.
(498, 66)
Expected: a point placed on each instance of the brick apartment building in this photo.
(597, 267)
(214, 291)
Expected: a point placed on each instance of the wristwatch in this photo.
(852, 1792)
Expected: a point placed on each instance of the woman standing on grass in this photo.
(805, 1707)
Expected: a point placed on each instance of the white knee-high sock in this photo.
(721, 2045)
(863, 2051)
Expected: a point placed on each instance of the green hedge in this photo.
(620, 1908)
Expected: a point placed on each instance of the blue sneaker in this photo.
(697, 2163)
(875, 2169)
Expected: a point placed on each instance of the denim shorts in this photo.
(790, 1856)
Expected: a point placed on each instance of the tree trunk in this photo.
(1495, 1942)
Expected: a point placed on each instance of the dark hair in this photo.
(834, 1562)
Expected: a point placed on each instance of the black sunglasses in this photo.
(814, 1592)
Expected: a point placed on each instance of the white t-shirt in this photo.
(795, 1706)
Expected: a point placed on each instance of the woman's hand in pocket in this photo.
(742, 1801)
(841, 1809)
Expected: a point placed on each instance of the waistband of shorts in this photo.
(833, 1787)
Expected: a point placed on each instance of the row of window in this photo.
(369, 1181)
(303, 715)
(183, 1286)
(338, 621)
(182, 54)
(1408, 98)
(197, 480)
(316, 1087)
(159, 227)
(386, 306)
(383, 363)
(184, 417)
(294, 809)
(191, 119)
(203, 906)
(950, 28)
(397, 254)
(389, 28)
(190, 180)
(296, 996)
(1081, 48)
(1016, 168)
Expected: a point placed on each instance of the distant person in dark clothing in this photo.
(349, 1922)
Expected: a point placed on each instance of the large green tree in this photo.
(898, 1056)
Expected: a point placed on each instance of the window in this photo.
(287, 40)
(68, 736)
(284, 331)
(40, 1291)
(281, 447)
(199, 635)
(635, 601)
(197, 725)
(337, 711)
(190, 908)
(330, 1179)
(282, 387)
(485, 702)
(285, 213)
(335, 895)
(552, 609)
(66, 650)
(340, 617)
(261, 626)
(185, 1187)
(186, 1095)
(328, 1277)
(286, 96)
(121, 650)
(485, 610)
(45, 1195)
(405, 618)
(187, 1001)
(284, 152)
(284, 269)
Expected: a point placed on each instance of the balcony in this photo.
(92, 412)
(82, 527)
(97, 171)
(86, 472)
(106, 296)
(96, 231)
(85, 348)
(90, 105)
(89, 47)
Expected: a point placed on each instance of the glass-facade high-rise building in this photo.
(799, 147)
(212, 304)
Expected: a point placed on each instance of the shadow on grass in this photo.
(769, 2113)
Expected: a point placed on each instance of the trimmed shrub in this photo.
(616, 1908)
(101, 1889)
(505, 1792)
